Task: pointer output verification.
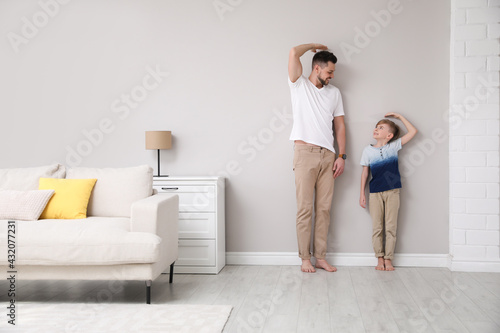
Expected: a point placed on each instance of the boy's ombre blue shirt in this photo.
(383, 163)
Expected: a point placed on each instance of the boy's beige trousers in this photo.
(314, 182)
(384, 207)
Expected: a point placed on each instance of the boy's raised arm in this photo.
(294, 64)
(412, 131)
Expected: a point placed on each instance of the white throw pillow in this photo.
(25, 179)
(116, 189)
(23, 205)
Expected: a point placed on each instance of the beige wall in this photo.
(92, 76)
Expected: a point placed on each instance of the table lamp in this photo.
(159, 140)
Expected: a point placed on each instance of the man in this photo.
(317, 110)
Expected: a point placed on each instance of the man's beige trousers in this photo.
(314, 182)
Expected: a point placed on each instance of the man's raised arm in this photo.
(294, 64)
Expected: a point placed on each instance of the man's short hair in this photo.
(322, 58)
(393, 128)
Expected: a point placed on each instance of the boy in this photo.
(382, 160)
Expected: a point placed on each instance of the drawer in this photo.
(196, 253)
(196, 225)
(191, 198)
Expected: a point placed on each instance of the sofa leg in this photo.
(171, 279)
(148, 291)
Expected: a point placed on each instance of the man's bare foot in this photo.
(380, 265)
(307, 267)
(388, 265)
(322, 263)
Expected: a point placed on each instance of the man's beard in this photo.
(323, 82)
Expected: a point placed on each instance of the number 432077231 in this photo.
(11, 244)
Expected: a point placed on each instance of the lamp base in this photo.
(158, 175)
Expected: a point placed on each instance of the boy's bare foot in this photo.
(322, 263)
(380, 265)
(388, 265)
(307, 267)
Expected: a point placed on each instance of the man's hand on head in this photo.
(319, 47)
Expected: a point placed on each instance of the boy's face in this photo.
(382, 132)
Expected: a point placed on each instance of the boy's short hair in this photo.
(322, 58)
(393, 128)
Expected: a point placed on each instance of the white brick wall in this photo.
(470, 221)
(471, 3)
(468, 190)
(469, 64)
(493, 63)
(481, 237)
(470, 32)
(492, 223)
(481, 206)
(481, 47)
(483, 15)
(462, 159)
(481, 143)
(474, 131)
(493, 159)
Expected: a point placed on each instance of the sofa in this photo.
(122, 231)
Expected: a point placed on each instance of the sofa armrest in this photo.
(158, 214)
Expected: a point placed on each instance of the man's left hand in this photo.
(338, 167)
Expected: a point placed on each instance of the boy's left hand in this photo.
(393, 114)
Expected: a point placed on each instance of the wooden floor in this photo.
(283, 299)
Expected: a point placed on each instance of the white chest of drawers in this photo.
(202, 244)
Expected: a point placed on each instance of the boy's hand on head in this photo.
(393, 114)
(412, 131)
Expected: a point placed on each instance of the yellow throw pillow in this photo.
(70, 199)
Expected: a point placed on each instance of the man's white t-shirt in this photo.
(313, 112)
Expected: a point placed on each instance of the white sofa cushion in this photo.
(91, 241)
(23, 205)
(25, 179)
(116, 189)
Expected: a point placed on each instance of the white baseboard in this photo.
(367, 259)
(339, 259)
(470, 265)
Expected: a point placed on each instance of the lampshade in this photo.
(158, 139)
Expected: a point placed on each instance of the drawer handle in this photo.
(169, 188)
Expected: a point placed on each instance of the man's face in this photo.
(326, 73)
